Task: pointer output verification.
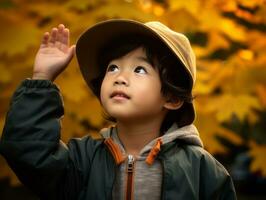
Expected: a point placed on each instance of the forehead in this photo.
(119, 48)
(135, 54)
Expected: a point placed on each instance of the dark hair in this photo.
(175, 80)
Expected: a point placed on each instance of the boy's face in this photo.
(131, 88)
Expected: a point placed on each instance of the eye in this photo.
(140, 70)
(112, 68)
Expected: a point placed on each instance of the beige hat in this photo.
(96, 37)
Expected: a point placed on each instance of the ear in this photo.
(173, 104)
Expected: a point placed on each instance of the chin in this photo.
(121, 116)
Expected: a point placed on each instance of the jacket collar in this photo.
(187, 134)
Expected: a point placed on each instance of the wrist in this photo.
(41, 76)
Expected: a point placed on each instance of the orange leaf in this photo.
(258, 152)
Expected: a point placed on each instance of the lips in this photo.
(119, 94)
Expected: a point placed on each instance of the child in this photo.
(143, 75)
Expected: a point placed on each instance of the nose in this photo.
(121, 79)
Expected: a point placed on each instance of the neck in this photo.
(135, 136)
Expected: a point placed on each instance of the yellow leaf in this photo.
(72, 87)
(261, 92)
(5, 75)
(121, 10)
(232, 30)
(227, 6)
(209, 128)
(256, 41)
(95, 134)
(251, 4)
(246, 54)
(188, 23)
(258, 152)
(261, 13)
(235, 75)
(145, 5)
(53, 13)
(246, 80)
(87, 109)
(202, 88)
(212, 19)
(82, 5)
(71, 127)
(200, 51)
(217, 72)
(158, 10)
(217, 41)
(190, 5)
(18, 34)
(227, 105)
(44, 9)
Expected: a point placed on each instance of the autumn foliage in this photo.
(228, 37)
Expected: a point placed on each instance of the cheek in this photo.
(153, 85)
(103, 90)
(151, 89)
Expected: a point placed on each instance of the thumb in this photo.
(71, 52)
(73, 47)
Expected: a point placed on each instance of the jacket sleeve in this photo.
(216, 183)
(31, 142)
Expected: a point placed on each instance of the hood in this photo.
(188, 134)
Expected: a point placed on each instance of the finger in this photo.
(65, 40)
(60, 36)
(61, 27)
(45, 39)
(53, 37)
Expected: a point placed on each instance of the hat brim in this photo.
(92, 41)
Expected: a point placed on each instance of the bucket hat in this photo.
(92, 41)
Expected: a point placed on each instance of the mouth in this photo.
(119, 94)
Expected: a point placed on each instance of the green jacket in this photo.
(85, 168)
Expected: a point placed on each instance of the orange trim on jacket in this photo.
(154, 152)
(114, 149)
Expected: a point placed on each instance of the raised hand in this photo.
(54, 54)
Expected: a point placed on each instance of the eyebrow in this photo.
(144, 59)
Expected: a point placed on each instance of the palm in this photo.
(50, 57)
(54, 53)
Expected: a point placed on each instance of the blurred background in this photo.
(228, 37)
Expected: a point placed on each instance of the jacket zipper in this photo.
(130, 171)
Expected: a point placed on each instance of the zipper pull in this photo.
(130, 163)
